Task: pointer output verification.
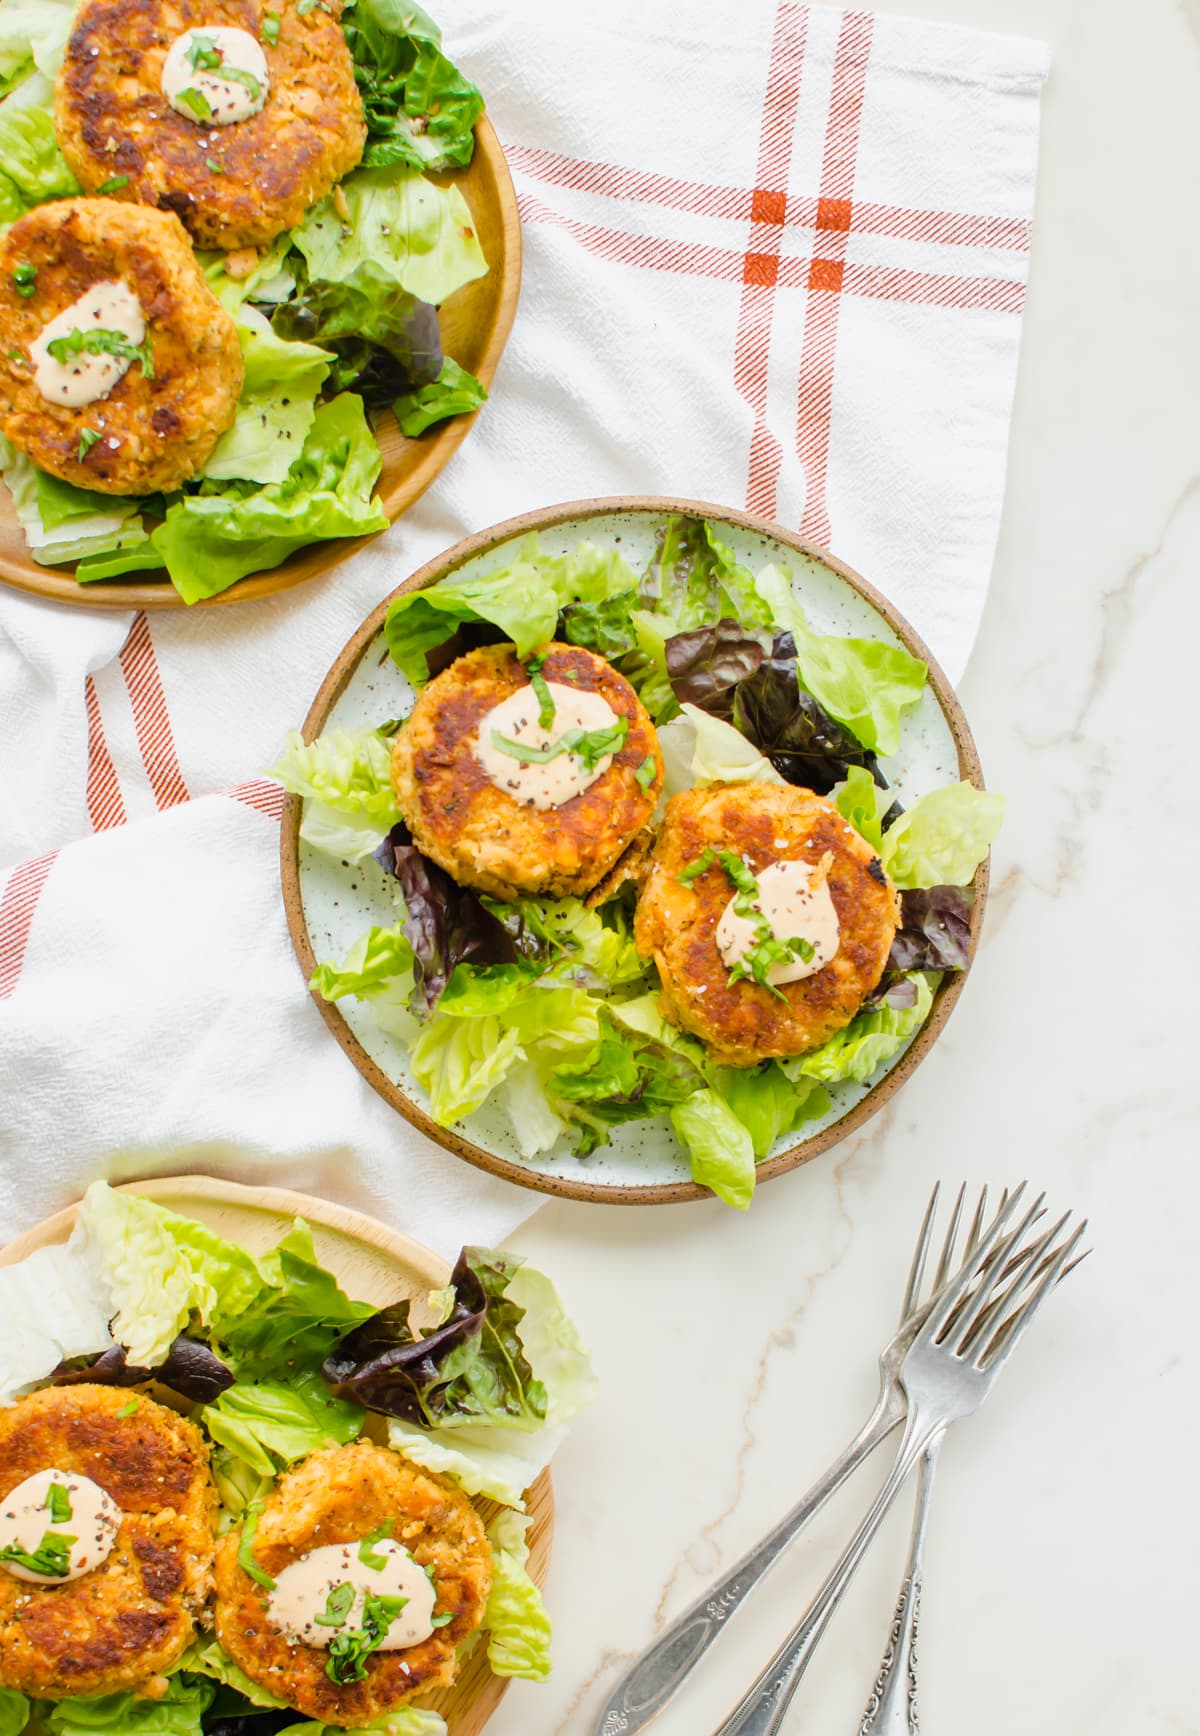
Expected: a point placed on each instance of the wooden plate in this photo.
(476, 322)
(328, 906)
(369, 1260)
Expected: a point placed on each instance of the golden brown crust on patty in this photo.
(133, 1616)
(480, 834)
(743, 1023)
(340, 1496)
(164, 428)
(112, 118)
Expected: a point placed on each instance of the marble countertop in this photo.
(1059, 1582)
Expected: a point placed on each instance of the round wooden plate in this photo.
(364, 687)
(476, 322)
(370, 1261)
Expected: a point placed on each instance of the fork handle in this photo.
(762, 1709)
(892, 1708)
(660, 1670)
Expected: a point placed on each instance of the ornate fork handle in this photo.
(892, 1708)
(662, 1669)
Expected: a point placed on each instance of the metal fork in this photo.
(659, 1672)
(966, 1337)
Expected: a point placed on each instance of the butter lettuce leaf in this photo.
(719, 1145)
(277, 407)
(420, 109)
(863, 683)
(207, 1657)
(864, 804)
(383, 339)
(33, 36)
(178, 1712)
(14, 1712)
(701, 749)
(345, 779)
(872, 1037)
(82, 524)
(518, 1627)
(32, 168)
(769, 1104)
(272, 1423)
(455, 392)
(210, 540)
(943, 837)
(404, 1721)
(421, 235)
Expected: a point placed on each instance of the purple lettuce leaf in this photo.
(935, 930)
(446, 924)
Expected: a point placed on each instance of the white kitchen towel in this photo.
(780, 266)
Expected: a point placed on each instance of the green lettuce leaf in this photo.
(517, 1625)
(85, 524)
(458, 1062)
(289, 1326)
(624, 1077)
(207, 1657)
(272, 1423)
(32, 168)
(720, 1147)
(769, 1104)
(177, 1713)
(14, 1712)
(378, 969)
(404, 1721)
(345, 779)
(277, 406)
(943, 837)
(420, 109)
(694, 579)
(161, 1270)
(698, 748)
(863, 803)
(522, 599)
(455, 392)
(420, 234)
(210, 540)
(33, 33)
(502, 1463)
(862, 683)
(135, 557)
(269, 281)
(871, 1038)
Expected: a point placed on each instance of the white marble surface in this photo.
(737, 1353)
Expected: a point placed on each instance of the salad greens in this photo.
(337, 319)
(544, 1005)
(481, 1394)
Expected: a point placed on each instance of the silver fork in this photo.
(659, 1672)
(966, 1337)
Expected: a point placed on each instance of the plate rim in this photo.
(338, 677)
(355, 1226)
(59, 585)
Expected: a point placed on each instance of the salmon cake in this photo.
(769, 917)
(527, 778)
(106, 1540)
(237, 115)
(119, 368)
(329, 1535)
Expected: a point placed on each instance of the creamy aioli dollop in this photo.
(110, 306)
(302, 1592)
(516, 718)
(795, 899)
(26, 1516)
(228, 100)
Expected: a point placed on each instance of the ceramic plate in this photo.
(476, 321)
(370, 1261)
(329, 906)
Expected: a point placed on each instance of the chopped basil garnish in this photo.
(350, 1649)
(546, 706)
(129, 1408)
(766, 950)
(270, 28)
(245, 1554)
(213, 166)
(196, 100)
(646, 772)
(203, 52)
(87, 440)
(19, 357)
(25, 278)
(365, 1553)
(442, 1619)
(338, 1605)
(52, 1557)
(113, 184)
(58, 1504)
(589, 746)
(99, 342)
(238, 75)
